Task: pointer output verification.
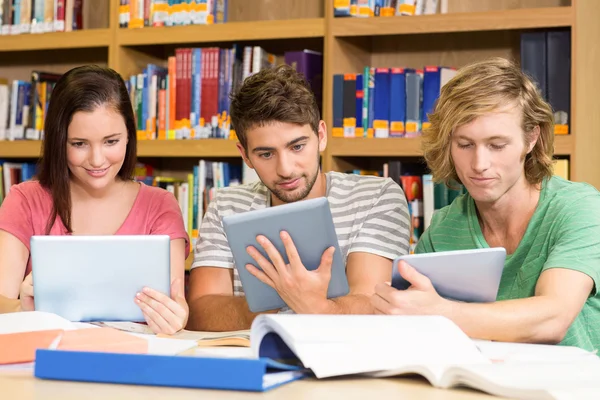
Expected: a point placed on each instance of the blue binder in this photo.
(176, 371)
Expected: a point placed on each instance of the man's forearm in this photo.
(349, 304)
(219, 313)
(9, 305)
(531, 320)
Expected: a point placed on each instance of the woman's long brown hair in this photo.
(82, 89)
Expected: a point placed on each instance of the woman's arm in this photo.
(13, 263)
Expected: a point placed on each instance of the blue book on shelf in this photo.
(255, 375)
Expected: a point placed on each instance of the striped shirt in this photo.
(564, 232)
(370, 215)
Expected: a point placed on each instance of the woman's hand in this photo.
(163, 314)
(26, 294)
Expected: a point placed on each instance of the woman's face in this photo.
(96, 147)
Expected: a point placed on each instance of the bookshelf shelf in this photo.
(203, 148)
(458, 22)
(410, 147)
(20, 149)
(86, 38)
(365, 147)
(216, 148)
(229, 32)
(564, 145)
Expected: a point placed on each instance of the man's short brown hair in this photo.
(479, 89)
(279, 94)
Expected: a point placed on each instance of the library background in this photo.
(376, 67)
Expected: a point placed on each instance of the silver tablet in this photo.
(310, 225)
(96, 278)
(464, 275)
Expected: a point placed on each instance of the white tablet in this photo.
(310, 225)
(464, 275)
(96, 278)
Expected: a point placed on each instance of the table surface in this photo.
(22, 385)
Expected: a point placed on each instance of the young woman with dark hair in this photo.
(85, 186)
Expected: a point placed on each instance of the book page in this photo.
(30, 321)
(165, 346)
(333, 345)
(222, 352)
(132, 327)
(525, 352)
(529, 380)
(200, 336)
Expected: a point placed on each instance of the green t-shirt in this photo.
(564, 232)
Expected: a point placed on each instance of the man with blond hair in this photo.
(492, 132)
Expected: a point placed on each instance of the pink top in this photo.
(27, 207)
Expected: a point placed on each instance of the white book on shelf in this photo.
(4, 106)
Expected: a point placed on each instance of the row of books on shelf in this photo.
(152, 13)
(546, 57)
(386, 102)
(388, 8)
(41, 16)
(189, 99)
(396, 102)
(23, 105)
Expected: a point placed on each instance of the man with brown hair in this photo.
(280, 134)
(492, 132)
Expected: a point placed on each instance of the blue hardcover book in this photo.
(255, 375)
(381, 100)
(338, 105)
(397, 102)
(360, 94)
(432, 78)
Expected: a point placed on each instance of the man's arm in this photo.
(544, 318)
(384, 231)
(364, 272)
(213, 307)
(212, 304)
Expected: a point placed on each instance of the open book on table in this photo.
(430, 346)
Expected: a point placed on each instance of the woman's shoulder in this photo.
(154, 197)
(33, 190)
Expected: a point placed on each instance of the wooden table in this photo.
(21, 385)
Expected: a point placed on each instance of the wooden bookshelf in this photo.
(89, 38)
(472, 30)
(229, 32)
(551, 17)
